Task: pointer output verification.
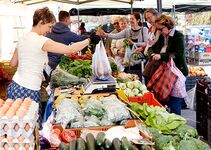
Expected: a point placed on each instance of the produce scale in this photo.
(95, 85)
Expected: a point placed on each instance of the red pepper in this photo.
(67, 135)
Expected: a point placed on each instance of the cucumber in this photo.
(126, 145)
(108, 144)
(63, 146)
(116, 144)
(72, 145)
(145, 147)
(81, 145)
(134, 147)
(90, 141)
(100, 138)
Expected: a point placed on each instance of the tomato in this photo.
(67, 135)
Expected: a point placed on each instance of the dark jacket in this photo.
(176, 48)
(62, 34)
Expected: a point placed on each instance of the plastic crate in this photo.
(191, 82)
(146, 98)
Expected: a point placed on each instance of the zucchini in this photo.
(90, 141)
(81, 145)
(126, 145)
(63, 146)
(108, 144)
(116, 144)
(145, 147)
(100, 138)
(134, 147)
(72, 145)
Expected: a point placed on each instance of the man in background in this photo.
(61, 33)
(109, 40)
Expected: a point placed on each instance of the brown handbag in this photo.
(150, 68)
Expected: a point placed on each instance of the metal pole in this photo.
(159, 5)
(78, 13)
(173, 11)
(131, 6)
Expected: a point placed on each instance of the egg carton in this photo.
(15, 144)
(16, 127)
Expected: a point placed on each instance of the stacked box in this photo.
(17, 123)
(203, 58)
(203, 110)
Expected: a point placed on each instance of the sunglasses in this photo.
(116, 23)
(160, 29)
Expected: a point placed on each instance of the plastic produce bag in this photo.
(190, 99)
(100, 64)
(60, 77)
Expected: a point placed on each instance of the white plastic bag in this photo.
(179, 89)
(100, 64)
(190, 99)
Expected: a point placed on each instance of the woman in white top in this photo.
(31, 55)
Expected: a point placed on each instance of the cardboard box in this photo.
(203, 55)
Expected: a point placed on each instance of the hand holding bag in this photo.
(163, 81)
(179, 89)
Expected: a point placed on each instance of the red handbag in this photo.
(162, 81)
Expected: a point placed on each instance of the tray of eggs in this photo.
(18, 117)
(20, 143)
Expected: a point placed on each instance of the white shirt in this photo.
(31, 61)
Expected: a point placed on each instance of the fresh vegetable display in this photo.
(123, 77)
(82, 57)
(196, 71)
(78, 67)
(133, 88)
(180, 141)
(91, 144)
(159, 118)
(89, 111)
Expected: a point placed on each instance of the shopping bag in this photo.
(179, 89)
(162, 81)
(126, 60)
(150, 68)
(190, 99)
(100, 64)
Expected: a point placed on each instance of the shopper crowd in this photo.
(44, 45)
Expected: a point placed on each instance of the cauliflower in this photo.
(137, 83)
(135, 91)
(142, 87)
(130, 85)
(122, 86)
(127, 91)
(144, 91)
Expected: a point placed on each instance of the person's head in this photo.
(123, 23)
(64, 17)
(164, 24)
(116, 23)
(82, 24)
(43, 19)
(135, 19)
(151, 15)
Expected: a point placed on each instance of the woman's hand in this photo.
(121, 52)
(138, 50)
(156, 56)
(101, 33)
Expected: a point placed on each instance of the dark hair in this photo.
(138, 17)
(63, 15)
(166, 21)
(153, 11)
(82, 24)
(43, 14)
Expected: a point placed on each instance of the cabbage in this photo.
(131, 94)
(122, 86)
(135, 91)
(127, 91)
(142, 87)
(140, 94)
(130, 85)
(144, 91)
(137, 83)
